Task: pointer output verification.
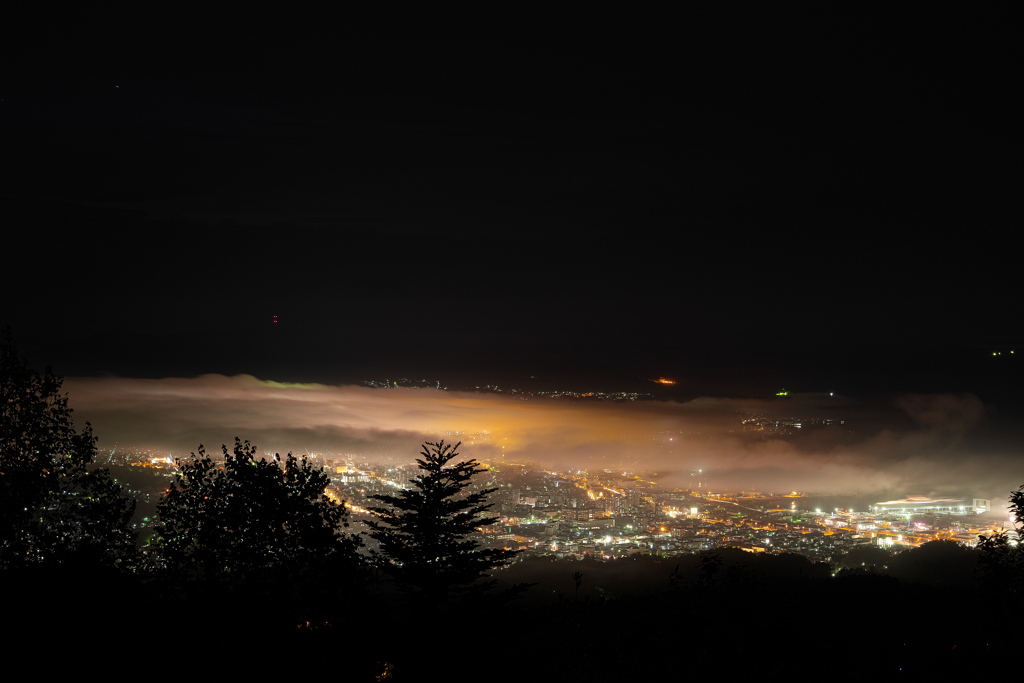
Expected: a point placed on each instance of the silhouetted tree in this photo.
(54, 507)
(249, 517)
(867, 559)
(1017, 508)
(1000, 560)
(710, 568)
(940, 563)
(425, 532)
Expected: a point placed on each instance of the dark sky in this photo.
(743, 202)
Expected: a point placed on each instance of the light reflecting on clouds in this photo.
(912, 444)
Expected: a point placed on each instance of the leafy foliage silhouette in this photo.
(1001, 561)
(54, 507)
(249, 517)
(424, 533)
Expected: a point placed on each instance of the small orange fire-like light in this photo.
(662, 380)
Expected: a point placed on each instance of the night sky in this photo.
(742, 202)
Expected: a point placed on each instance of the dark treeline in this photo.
(253, 568)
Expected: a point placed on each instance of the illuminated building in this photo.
(912, 505)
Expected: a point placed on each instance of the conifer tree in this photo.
(425, 533)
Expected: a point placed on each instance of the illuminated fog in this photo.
(924, 444)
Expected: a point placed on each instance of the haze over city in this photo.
(722, 302)
(919, 443)
(211, 248)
